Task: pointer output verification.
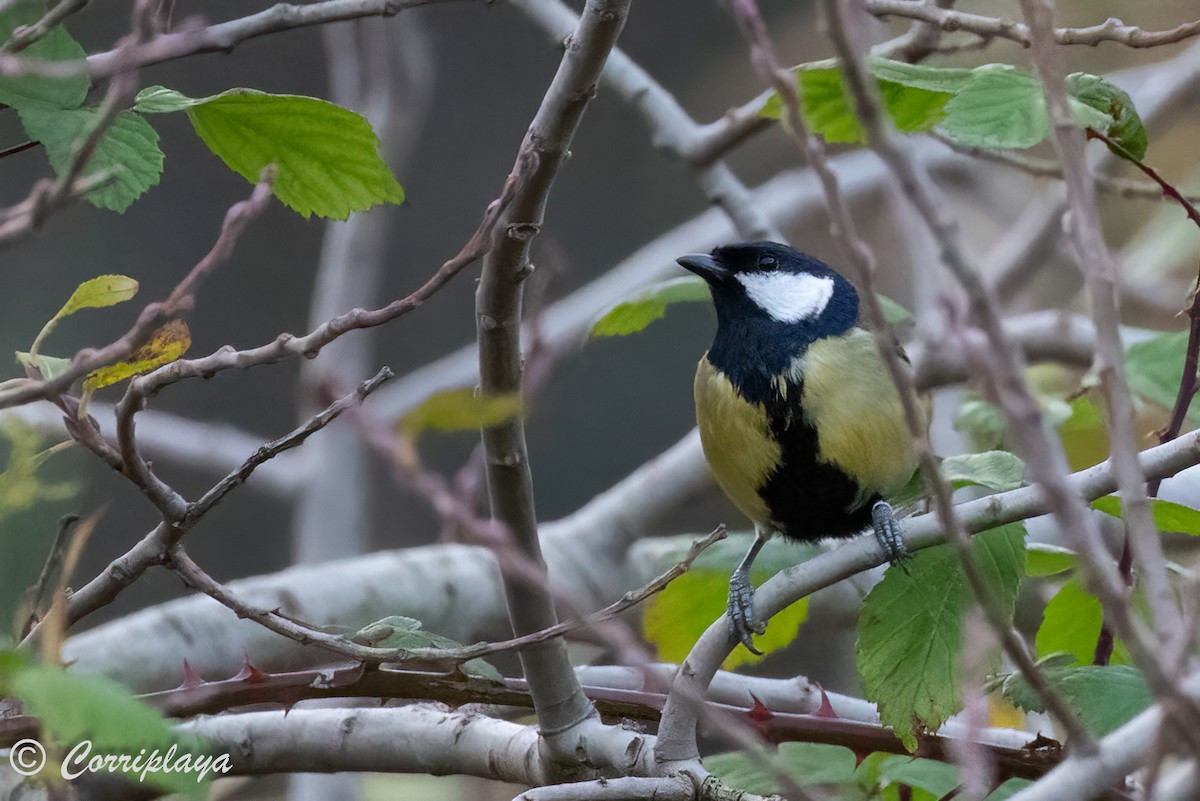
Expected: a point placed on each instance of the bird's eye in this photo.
(767, 263)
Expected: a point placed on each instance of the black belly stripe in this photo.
(808, 498)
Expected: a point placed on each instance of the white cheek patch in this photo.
(788, 297)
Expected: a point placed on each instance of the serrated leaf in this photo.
(1154, 368)
(648, 305)
(73, 708)
(1071, 625)
(1125, 126)
(1042, 559)
(1168, 515)
(910, 629)
(166, 345)
(676, 617)
(99, 292)
(805, 764)
(327, 156)
(460, 410)
(1000, 107)
(1103, 696)
(48, 366)
(1000, 471)
(935, 778)
(128, 150)
(24, 91)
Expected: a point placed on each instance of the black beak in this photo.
(704, 266)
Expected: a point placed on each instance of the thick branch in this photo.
(560, 702)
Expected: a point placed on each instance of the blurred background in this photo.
(468, 79)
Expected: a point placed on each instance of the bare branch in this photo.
(192, 37)
(561, 704)
(1111, 30)
(152, 548)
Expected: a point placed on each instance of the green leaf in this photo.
(893, 312)
(941, 80)
(827, 107)
(910, 629)
(744, 772)
(1042, 559)
(73, 707)
(805, 763)
(98, 292)
(1008, 789)
(648, 305)
(167, 344)
(1154, 368)
(1125, 126)
(1168, 516)
(936, 778)
(1000, 471)
(327, 156)
(461, 410)
(1000, 107)
(676, 617)
(25, 91)
(128, 150)
(397, 631)
(1071, 625)
(161, 100)
(1104, 696)
(48, 366)
(981, 425)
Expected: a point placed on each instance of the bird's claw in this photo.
(889, 535)
(741, 611)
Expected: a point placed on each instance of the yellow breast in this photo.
(861, 426)
(737, 441)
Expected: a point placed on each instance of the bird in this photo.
(799, 419)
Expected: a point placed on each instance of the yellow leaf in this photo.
(461, 410)
(168, 344)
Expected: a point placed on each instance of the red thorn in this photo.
(825, 710)
(191, 679)
(249, 673)
(759, 712)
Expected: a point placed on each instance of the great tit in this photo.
(799, 419)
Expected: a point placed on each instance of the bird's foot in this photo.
(889, 534)
(741, 611)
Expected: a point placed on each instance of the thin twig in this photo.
(308, 634)
(152, 548)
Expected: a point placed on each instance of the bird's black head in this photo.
(772, 302)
